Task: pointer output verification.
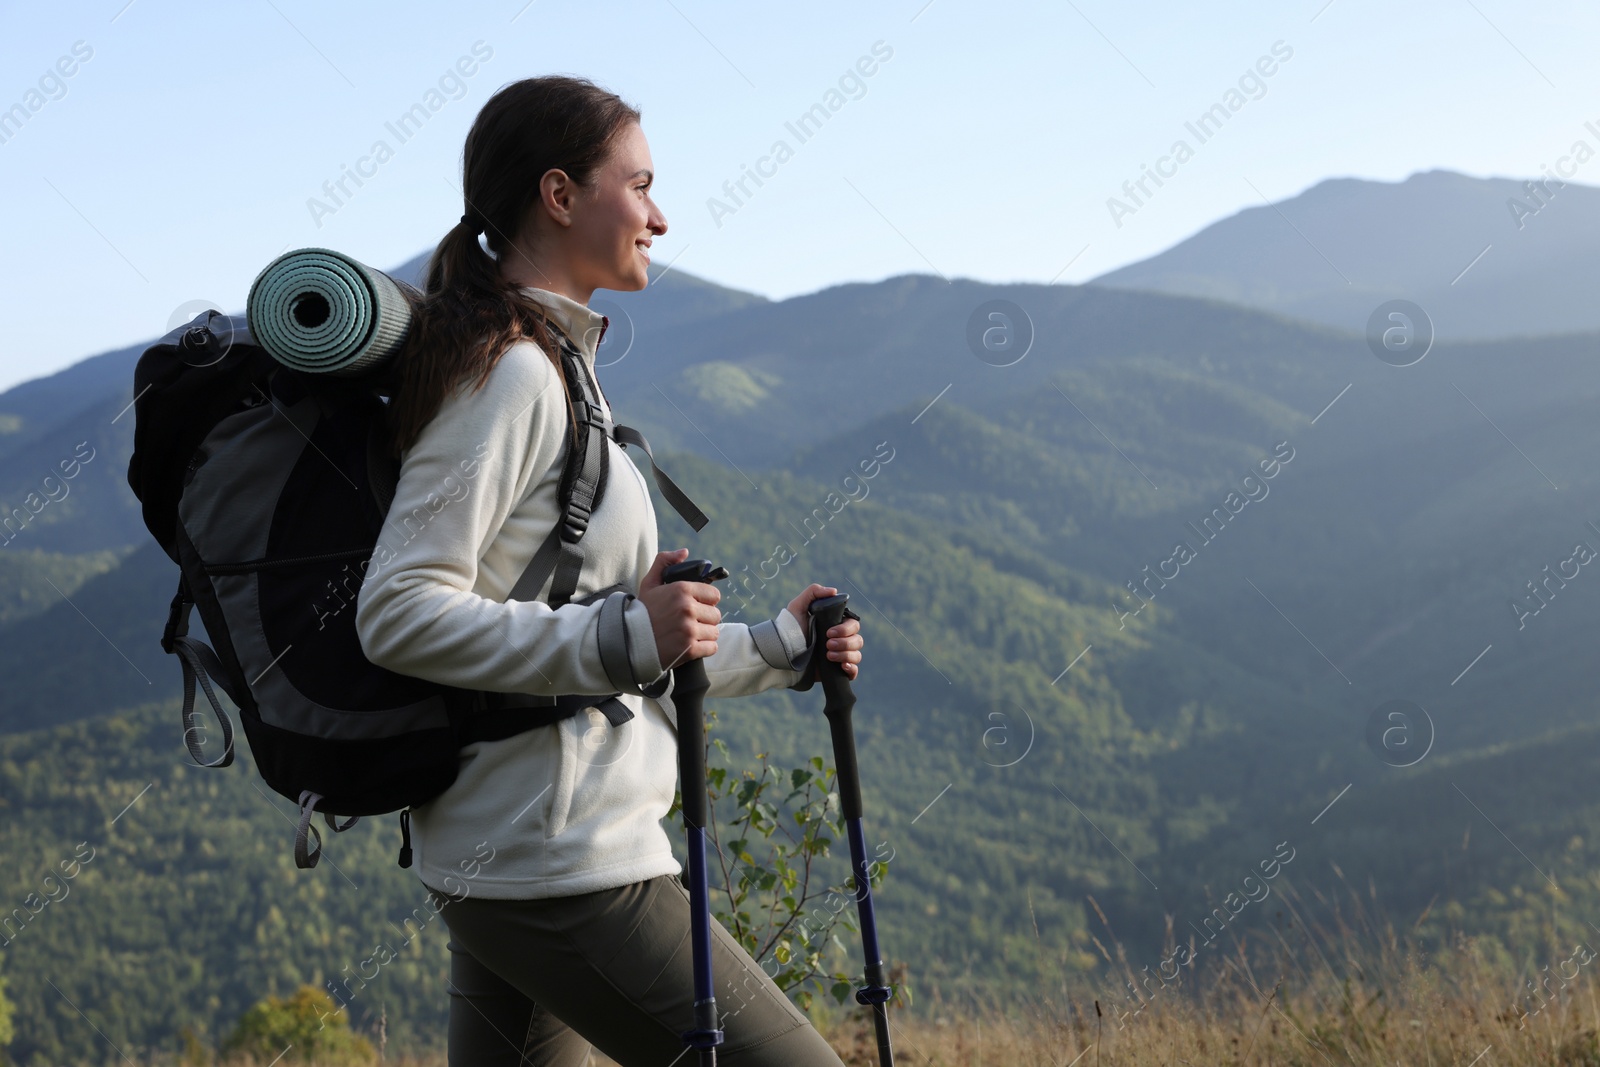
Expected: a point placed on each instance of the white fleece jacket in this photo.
(576, 806)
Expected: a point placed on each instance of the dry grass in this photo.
(1417, 1023)
(1419, 1016)
(1414, 1022)
(1341, 991)
(1344, 991)
(1452, 1015)
(1456, 1010)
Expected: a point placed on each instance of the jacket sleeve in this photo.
(472, 465)
(756, 657)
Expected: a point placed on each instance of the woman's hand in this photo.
(683, 615)
(844, 640)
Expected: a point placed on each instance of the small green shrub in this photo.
(306, 1027)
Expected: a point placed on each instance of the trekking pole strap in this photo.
(817, 654)
(770, 646)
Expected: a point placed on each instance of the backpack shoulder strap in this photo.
(562, 549)
(583, 483)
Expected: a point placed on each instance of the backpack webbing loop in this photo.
(306, 830)
(200, 663)
(304, 858)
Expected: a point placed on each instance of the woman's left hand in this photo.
(844, 640)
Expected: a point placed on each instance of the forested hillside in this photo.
(1131, 603)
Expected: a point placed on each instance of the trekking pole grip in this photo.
(826, 613)
(688, 689)
(839, 698)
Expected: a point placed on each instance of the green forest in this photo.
(1084, 747)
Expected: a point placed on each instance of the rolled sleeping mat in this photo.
(319, 311)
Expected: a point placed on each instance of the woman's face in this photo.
(616, 219)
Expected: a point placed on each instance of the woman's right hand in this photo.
(683, 615)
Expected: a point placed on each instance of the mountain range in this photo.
(1139, 604)
(1484, 257)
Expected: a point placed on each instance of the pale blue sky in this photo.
(181, 155)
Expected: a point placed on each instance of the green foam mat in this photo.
(322, 312)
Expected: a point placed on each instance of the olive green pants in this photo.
(534, 983)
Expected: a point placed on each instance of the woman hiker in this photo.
(570, 927)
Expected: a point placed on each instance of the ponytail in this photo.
(468, 315)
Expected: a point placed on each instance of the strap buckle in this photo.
(576, 521)
(592, 413)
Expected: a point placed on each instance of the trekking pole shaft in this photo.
(839, 706)
(692, 770)
(877, 990)
(689, 686)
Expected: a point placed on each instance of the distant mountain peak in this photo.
(1476, 253)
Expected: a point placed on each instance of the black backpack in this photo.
(269, 487)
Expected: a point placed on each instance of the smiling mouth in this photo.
(644, 249)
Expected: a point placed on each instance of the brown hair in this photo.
(468, 315)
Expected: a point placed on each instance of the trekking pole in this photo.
(689, 686)
(826, 613)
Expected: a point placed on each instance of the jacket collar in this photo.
(583, 326)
